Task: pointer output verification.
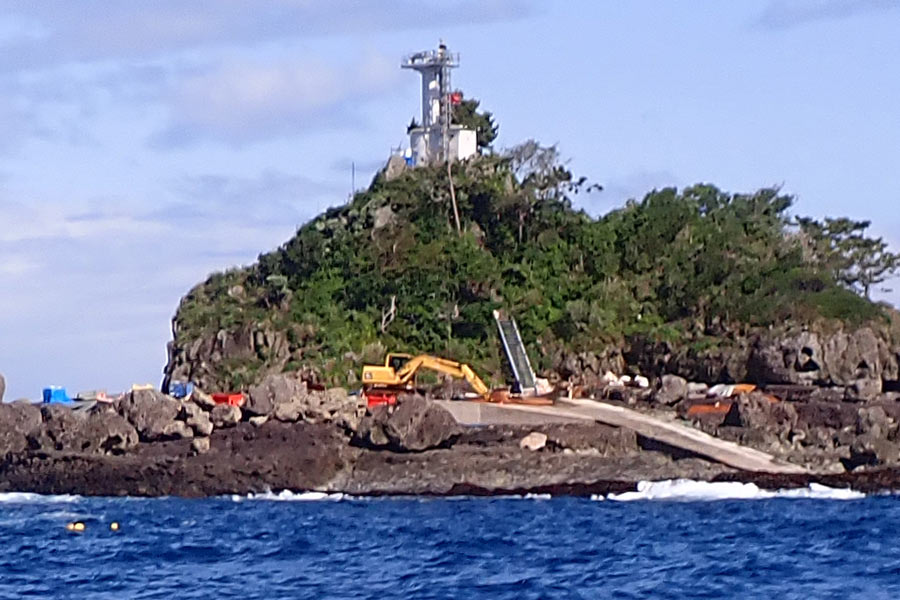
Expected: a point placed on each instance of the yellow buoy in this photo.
(114, 526)
(75, 526)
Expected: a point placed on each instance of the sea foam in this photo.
(289, 496)
(688, 490)
(27, 497)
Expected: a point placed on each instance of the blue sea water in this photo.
(687, 546)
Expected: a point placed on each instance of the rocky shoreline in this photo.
(287, 437)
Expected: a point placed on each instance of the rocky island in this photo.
(686, 290)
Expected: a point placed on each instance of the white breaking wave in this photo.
(286, 495)
(26, 497)
(688, 489)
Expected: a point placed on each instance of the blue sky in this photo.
(148, 143)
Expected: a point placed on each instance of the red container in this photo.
(374, 398)
(719, 408)
(231, 399)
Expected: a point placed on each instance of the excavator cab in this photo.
(380, 382)
(396, 361)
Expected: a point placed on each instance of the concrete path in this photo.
(667, 432)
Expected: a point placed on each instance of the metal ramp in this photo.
(515, 354)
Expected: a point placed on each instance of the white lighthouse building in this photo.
(437, 139)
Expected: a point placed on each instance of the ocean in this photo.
(669, 540)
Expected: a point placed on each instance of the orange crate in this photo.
(231, 399)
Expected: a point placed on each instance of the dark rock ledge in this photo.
(288, 437)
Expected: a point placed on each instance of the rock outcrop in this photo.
(859, 363)
(861, 359)
(415, 425)
(97, 431)
(18, 421)
(204, 360)
(286, 398)
(150, 412)
(197, 418)
(672, 389)
(225, 415)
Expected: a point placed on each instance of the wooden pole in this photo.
(453, 198)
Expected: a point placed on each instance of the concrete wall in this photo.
(463, 143)
(425, 146)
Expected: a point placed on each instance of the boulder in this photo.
(104, 431)
(415, 425)
(874, 422)
(100, 430)
(274, 390)
(2, 387)
(202, 426)
(197, 419)
(202, 399)
(177, 430)
(331, 406)
(867, 450)
(758, 412)
(672, 389)
(289, 412)
(200, 445)
(258, 421)
(225, 415)
(150, 412)
(60, 429)
(17, 422)
(533, 441)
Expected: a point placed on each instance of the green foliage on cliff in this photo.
(389, 271)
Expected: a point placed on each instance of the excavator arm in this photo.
(405, 374)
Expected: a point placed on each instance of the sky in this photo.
(148, 143)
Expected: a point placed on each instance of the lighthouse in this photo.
(437, 139)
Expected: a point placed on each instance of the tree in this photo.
(466, 114)
(841, 247)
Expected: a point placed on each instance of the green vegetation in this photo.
(388, 271)
(466, 114)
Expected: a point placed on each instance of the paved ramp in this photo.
(667, 432)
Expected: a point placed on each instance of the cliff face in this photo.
(711, 286)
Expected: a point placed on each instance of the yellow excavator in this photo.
(381, 384)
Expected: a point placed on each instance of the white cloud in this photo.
(12, 265)
(783, 14)
(41, 221)
(16, 30)
(68, 31)
(245, 101)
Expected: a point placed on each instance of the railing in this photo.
(430, 57)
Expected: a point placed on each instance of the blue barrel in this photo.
(180, 389)
(56, 394)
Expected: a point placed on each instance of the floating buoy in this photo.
(75, 526)
(114, 526)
